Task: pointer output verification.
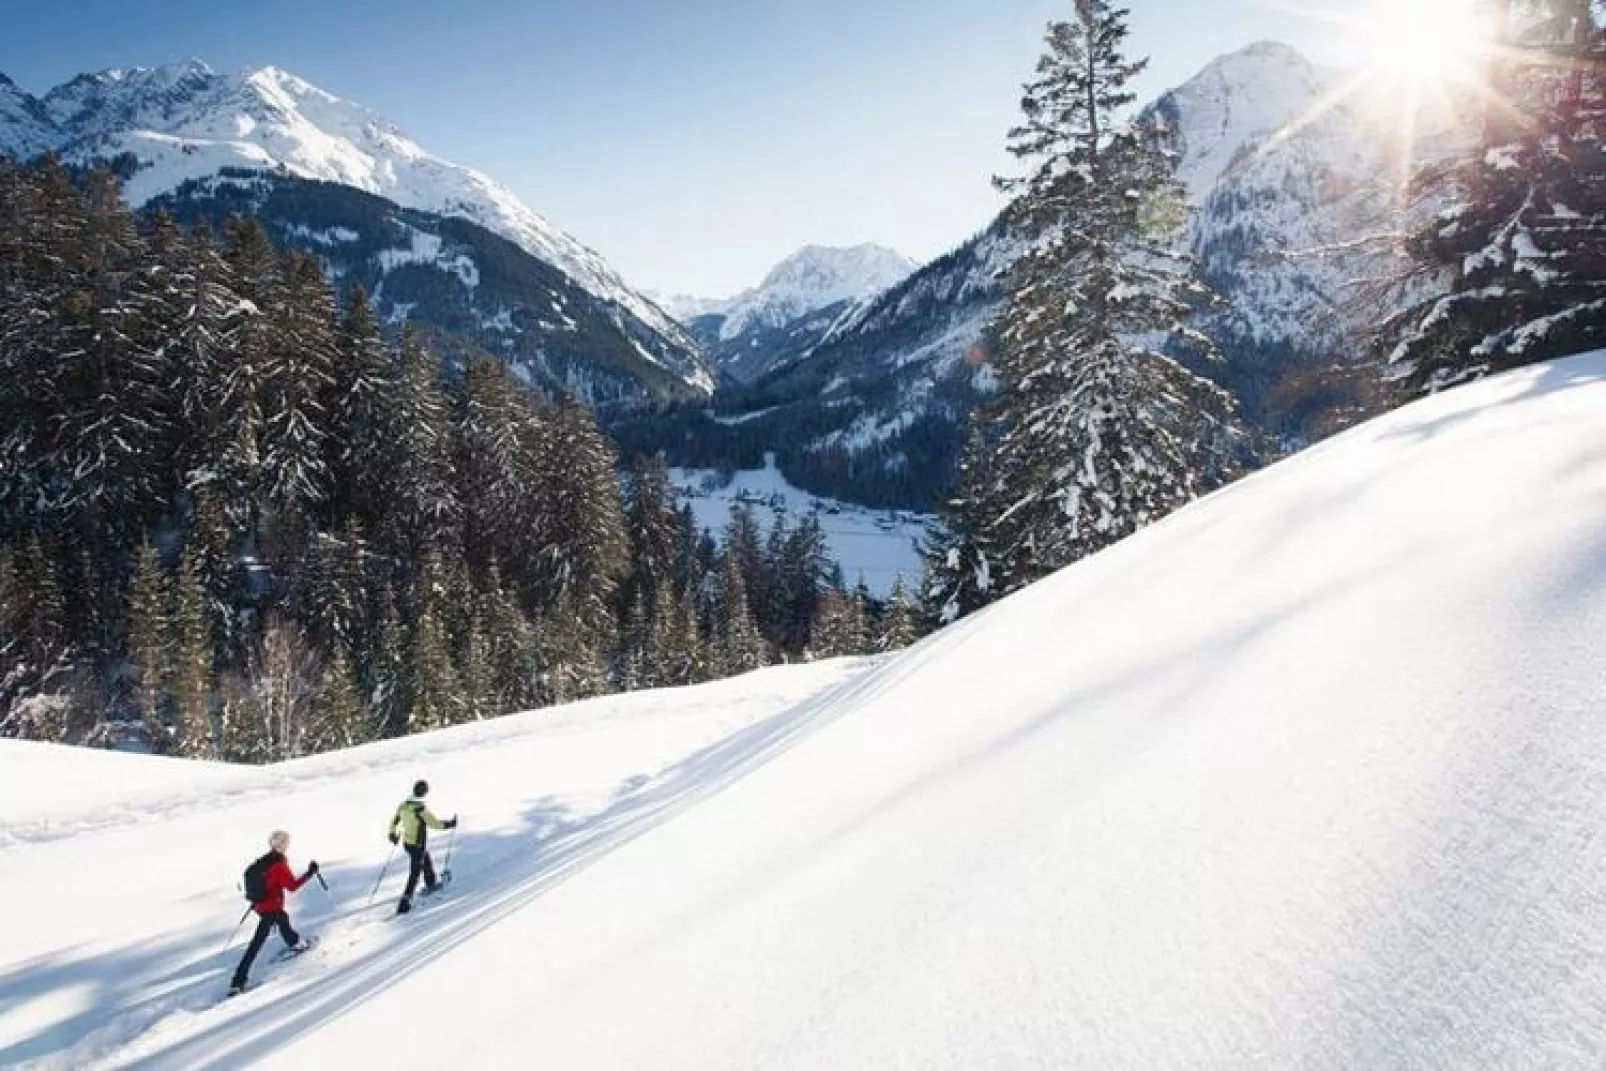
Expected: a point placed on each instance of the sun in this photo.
(1421, 45)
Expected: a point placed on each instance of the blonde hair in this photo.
(278, 840)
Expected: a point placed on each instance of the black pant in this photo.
(418, 856)
(265, 925)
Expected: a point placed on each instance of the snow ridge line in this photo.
(257, 1032)
(257, 782)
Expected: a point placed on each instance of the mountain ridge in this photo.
(185, 122)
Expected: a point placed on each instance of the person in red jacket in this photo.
(278, 880)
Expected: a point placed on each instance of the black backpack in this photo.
(256, 878)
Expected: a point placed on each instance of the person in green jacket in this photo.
(410, 827)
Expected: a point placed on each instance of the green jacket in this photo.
(414, 818)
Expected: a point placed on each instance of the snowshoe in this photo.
(307, 945)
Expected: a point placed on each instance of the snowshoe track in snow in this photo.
(360, 953)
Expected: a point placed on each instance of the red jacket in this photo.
(279, 880)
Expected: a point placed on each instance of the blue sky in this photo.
(692, 142)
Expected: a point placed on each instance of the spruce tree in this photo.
(424, 510)
(339, 718)
(899, 628)
(583, 549)
(148, 646)
(832, 633)
(360, 443)
(511, 652)
(210, 550)
(497, 467)
(739, 646)
(190, 644)
(298, 377)
(434, 694)
(1522, 244)
(1096, 432)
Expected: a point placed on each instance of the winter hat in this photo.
(420, 788)
(279, 840)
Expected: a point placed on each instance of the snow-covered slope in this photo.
(184, 122)
(1308, 775)
(802, 299)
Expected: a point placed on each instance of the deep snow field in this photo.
(1311, 774)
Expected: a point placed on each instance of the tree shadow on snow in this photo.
(133, 998)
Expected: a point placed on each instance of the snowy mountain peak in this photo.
(840, 272)
(185, 121)
(815, 277)
(1237, 99)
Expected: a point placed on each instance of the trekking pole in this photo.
(382, 871)
(236, 931)
(446, 868)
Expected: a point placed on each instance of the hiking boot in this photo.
(404, 906)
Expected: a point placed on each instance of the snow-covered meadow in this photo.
(879, 547)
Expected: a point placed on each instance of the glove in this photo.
(312, 867)
(452, 823)
(394, 839)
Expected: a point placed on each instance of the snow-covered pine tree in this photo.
(832, 631)
(569, 655)
(582, 549)
(148, 646)
(330, 584)
(1096, 432)
(510, 647)
(652, 523)
(111, 425)
(1521, 247)
(200, 319)
(961, 548)
(360, 442)
(242, 394)
(42, 300)
(739, 648)
(474, 670)
(495, 472)
(744, 543)
(424, 511)
(898, 627)
(384, 670)
(338, 717)
(210, 550)
(687, 652)
(433, 691)
(298, 375)
(35, 651)
(190, 646)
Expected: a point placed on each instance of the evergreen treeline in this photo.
(237, 521)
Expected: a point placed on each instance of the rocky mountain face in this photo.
(186, 132)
